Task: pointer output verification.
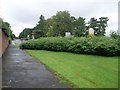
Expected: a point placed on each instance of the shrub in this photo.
(85, 45)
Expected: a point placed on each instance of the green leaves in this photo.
(25, 32)
(63, 22)
(5, 26)
(114, 35)
(99, 25)
(85, 45)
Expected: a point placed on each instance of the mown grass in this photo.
(82, 71)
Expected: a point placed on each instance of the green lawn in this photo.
(83, 71)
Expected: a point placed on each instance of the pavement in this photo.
(20, 70)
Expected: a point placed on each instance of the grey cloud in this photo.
(26, 13)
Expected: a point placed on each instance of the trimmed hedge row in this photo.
(85, 45)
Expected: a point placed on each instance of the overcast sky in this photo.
(25, 13)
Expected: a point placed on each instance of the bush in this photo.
(9, 40)
(85, 45)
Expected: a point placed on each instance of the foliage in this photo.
(25, 33)
(84, 45)
(13, 36)
(82, 71)
(114, 35)
(99, 26)
(39, 29)
(79, 27)
(6, 28)
(63, 22)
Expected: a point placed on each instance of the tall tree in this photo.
(93, 24)
(79, 27)
(99, 26)
(39, 29)
(62, 23)
(102, 24)
(26, 32)
(49, 31)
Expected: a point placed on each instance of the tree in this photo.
(39, 29)
(93, 24)
(49, 27)
(78, 26)
(102, 24)
(6, 28)
(62, 23)
(26, 32)
(99, 26)
(13, 36)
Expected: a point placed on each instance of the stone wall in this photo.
(4, 42)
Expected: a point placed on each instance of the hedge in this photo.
(82, 45)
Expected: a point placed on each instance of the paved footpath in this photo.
(20, 70)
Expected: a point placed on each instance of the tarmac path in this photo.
(20, 70)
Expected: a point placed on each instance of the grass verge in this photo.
(82, 71)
